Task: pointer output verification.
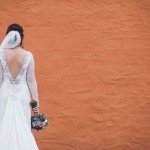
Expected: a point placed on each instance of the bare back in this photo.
(15, 59)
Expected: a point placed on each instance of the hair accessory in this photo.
(11, 40)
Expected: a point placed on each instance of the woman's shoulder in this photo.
(28, 52)
(30, 55)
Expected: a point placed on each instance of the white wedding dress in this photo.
(15, 110)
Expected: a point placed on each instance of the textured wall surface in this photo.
(92, 62)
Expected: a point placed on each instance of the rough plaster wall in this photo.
(92, 67)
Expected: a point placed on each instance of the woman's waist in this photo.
(14, 82)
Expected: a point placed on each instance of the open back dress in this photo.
(15, 110)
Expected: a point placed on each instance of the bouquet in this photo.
(38, 120)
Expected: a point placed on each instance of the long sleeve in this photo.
(1, 75)
(31, 80)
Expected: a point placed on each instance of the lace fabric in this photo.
(15, 110)
(27, 73)
(31, 79)
(1, 74)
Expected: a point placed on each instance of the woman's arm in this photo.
(31, 80)
(1, 74)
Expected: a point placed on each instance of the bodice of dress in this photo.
(26, 74)
(22, 74)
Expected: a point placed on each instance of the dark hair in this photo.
(16, 27)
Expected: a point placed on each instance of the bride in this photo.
(18, 87)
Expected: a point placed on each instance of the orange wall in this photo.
(92, 62)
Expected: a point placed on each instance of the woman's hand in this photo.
(35, 107)
(36, 111)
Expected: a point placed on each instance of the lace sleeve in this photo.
(1, 74)
(31, 80)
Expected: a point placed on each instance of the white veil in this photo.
(11, 40)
